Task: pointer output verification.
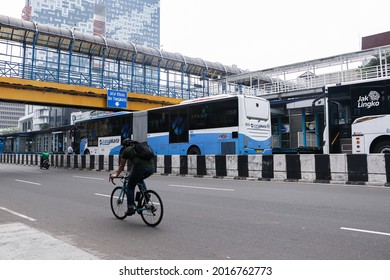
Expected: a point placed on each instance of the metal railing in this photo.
(278, 86)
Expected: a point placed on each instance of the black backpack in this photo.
(143, 150)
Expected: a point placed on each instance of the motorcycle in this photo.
(45, 164)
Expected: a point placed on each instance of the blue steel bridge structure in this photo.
(41, 64)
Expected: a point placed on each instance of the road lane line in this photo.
(100, 194)
(106, 195)
(28, 182)
(18, 214)
(92, 178)
(366, 231)
(203, 188)
(29, 171)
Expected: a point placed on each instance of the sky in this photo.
(262, 34)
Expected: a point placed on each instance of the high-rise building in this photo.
(136, 21)
(10, 114)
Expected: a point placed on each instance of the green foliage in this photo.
(44, 126)
(9, 130)
(376, 61)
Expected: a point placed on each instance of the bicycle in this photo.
(148, 203)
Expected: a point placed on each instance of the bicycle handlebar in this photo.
(112, 179)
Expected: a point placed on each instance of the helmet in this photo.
(127, 142)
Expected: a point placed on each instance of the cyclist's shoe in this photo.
(130, 211)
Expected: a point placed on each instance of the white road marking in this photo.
(366, 231)
(104, 195)
(29, 171)
(28, 182)
(203, 188)
(92, 178)
(18, 214)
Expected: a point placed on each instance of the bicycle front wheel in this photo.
(153, 210)
(119, 203)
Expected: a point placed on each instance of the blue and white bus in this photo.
(103, 135)
(215, 125)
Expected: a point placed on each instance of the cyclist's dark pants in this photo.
(136, 175)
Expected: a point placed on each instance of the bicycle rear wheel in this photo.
(119, 203)
(153, 210)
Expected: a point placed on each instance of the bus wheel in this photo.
(382, 147)
(86, 152)
(193, 150)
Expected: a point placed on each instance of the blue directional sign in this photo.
(117, 99)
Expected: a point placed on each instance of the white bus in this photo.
(215, 125)
(371, 134)
(103, 135)
(358, 117)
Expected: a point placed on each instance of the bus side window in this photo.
(228, 114)
(178, 129)
(158, 121)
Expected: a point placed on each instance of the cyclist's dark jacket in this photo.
(138, 162)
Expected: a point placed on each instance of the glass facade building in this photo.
(135, 21)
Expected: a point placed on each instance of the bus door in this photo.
(75, 140)
(339, 113)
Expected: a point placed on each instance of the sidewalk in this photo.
(21, 242)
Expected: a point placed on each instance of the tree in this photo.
(9, 130)
(376, 61)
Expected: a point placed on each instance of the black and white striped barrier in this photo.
(91, 162)
(337, 168)
(371, 169)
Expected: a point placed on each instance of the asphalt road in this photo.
(204, 218)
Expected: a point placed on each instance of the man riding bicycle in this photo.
(142, 169)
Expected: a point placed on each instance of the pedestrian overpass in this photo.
(18, 90)
(41, 64)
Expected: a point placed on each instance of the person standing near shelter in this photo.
(69, 151)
